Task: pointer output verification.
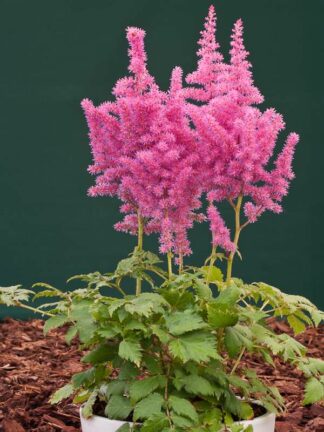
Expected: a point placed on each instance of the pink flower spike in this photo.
(285, 158)
(240, 80)
(220, 233)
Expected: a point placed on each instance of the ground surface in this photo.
(32, 367)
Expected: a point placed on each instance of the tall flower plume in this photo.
(159, 151)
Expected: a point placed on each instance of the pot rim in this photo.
(254, 421)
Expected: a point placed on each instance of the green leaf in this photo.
(214, 273)
(81, 397)
(108, 333)
(70, 334)
(125, 428)
(246, 411)
(135, 325)
(10, 295)
(184, 322)
(296, 324)
(183, 407)
(118, 408)
(202, 289)
(83, 378)
(198, 346)
(229, 296)
(87, 407)
(141, 388)
(181, 422)
(62, 393)
(314, 391)
(130, 349)
(220, 315)
(148, 407)
(81, 313)
(199, 385)
(55, 322)
(161, 334)
(100, 354)
(156, 423)
(128, 371)
(116, 387)
(233, 342)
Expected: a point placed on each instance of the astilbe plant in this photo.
(171, 359)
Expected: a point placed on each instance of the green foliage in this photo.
(314, 391)
(170, 359)
(148, 407)
(118, 407)
(11, 296)
(62, 393)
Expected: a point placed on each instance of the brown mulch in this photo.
(32, 367)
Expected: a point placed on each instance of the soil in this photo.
(33, 366)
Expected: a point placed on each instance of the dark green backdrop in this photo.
(54, 53)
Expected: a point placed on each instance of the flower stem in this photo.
(180, 263)
(212, 260)
(139, 248)
(35, 310)
(237, 209)
(170, 265)
(238, 361)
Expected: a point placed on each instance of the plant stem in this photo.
(139, 248)
(170, 265)
(237, 209)
(238, 360)
(211, 263)
(24, 306)
(180, 263)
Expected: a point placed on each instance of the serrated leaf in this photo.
(83, 378)
(149, 406)
(118, 408)
(109, 332)
(87, 407)
(62, 393)
(100, 354)
(70, 334)
(116, 387)
(213, 273)
(246, 411)
(296, 324)
(233, 342)
(229, 296)
(183, 407)
(155, 423)
(141, 388)
(55, 322)
(199, 385)
(181, 422)
(81, 397)
(220, 315)
(130, 349)
(125, 428)
(202, 289)
(179, 323)
(46, 293)
(135, 325)
(128, 371)
(314, 391)
(197, 346)
(161, 334)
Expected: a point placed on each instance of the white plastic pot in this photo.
(265, 423)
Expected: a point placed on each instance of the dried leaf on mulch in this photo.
(32, 367)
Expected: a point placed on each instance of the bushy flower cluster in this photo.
(146, 153)
(160, 151)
